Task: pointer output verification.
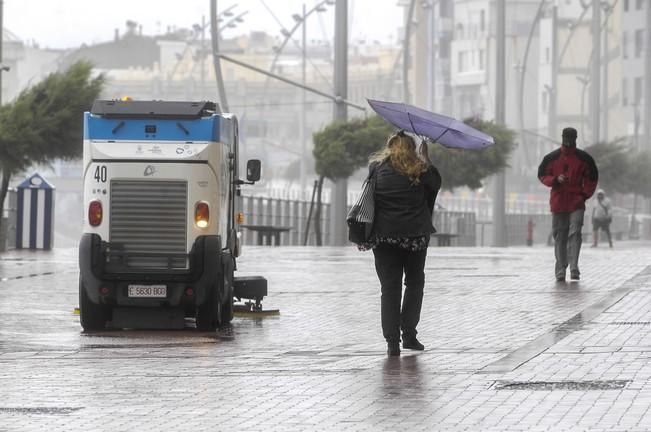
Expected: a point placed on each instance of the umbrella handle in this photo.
(424, 150)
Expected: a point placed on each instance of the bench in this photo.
(266, 233)
(444, 239)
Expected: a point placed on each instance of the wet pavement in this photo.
(507, 348)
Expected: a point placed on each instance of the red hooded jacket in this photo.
(582, 177)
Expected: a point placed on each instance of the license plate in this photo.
(153, 291)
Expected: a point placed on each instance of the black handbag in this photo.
(362, 214)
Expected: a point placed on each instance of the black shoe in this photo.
(412, 343)
(560, 278)
(393, 348)
(575, 276)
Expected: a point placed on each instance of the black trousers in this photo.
(391, 263)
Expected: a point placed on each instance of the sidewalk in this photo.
(507, 348)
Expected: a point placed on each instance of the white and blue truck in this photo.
(161, 216)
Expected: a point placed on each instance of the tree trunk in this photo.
(317, 213)
(309, 214)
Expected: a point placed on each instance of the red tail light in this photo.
(95, 213)
(201, 214)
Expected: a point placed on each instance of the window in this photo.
(625, 44)
(482, 20)
(625, 5)
(624, 92)
(639, 43)
(545, 95)
(547, 55)
(638, 90)
(462, 59)
(459, 31)
(482, 65)
(639, 4)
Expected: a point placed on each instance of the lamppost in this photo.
(405, 52)
(585, 81)
(4, 68)
(200, 29)
(430, 6)
(300, 20)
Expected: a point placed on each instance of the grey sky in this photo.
(69, 23)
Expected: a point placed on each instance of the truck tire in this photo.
(92, 317)
(227, 311)
(206, 318)
(227, 307)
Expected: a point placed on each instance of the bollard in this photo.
(530, 226)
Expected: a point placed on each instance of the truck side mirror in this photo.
(253, 170)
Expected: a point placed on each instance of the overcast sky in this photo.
(69, 23)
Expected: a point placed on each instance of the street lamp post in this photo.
(499, 199)
(405, 52)
(595, 78)
(201, 29)
(1, 42)
(214, 36)
(303, 99)
(340, 196)
(430, 6)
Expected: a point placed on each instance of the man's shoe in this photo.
(575, 276)
(393, 348)
(412, 343)
(560, 278)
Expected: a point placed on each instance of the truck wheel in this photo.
(91, 316)
(227, 307)
(207, 313)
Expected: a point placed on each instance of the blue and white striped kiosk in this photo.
(35, 214)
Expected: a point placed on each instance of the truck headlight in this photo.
(201, 214)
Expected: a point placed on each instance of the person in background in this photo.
(602, 217)
(406, 188)
(572, 175)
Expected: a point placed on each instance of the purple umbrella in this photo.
(437, 127)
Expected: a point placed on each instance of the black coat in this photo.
(401, 208)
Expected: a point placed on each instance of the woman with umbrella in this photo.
(405, 190)
(406, 185)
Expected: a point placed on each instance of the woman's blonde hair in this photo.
(400, 151)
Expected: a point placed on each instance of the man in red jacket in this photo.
(572, 174)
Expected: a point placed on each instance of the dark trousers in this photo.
(567, 241)
(391, 263)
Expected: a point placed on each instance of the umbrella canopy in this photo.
(445, 130)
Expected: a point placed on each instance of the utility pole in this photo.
(431, 65)
(499, 199)
(595, 79)
(406, 52)
(340, 196)
(214, 35)
(303, 102)
(203, 56)
(604, 81)
(647, 79)
(553, 92)
(647, 86)
(1, 59)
